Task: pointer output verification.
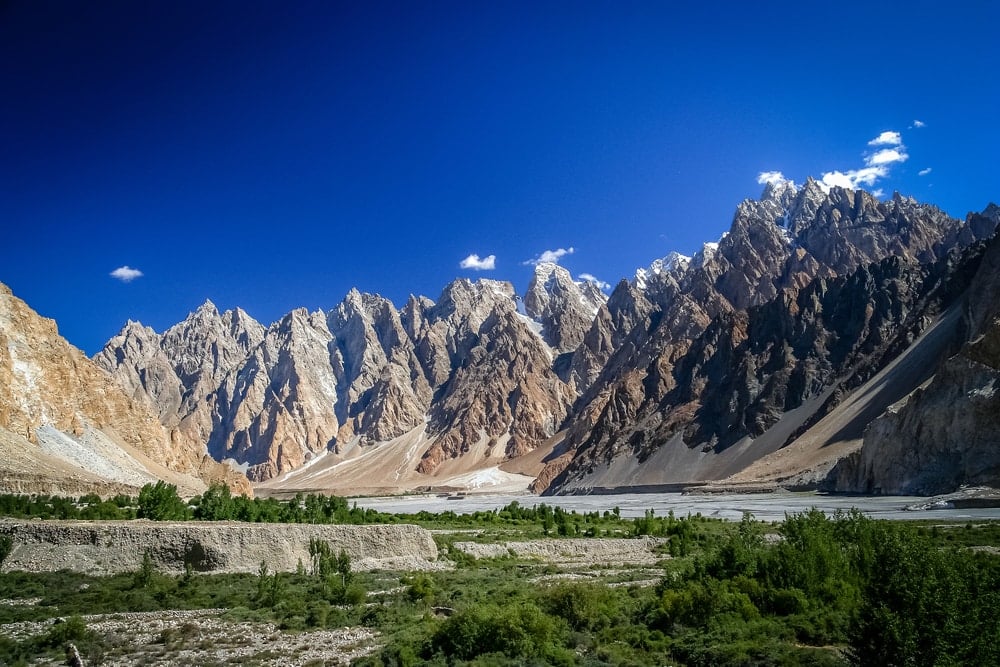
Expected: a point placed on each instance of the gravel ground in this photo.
(579, 552)
(202, 637)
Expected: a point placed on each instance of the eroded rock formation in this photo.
(66, 423)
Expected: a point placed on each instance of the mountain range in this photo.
(828, 340)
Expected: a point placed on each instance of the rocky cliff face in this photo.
(564, 308)
(177, 371)
(69, 418)
(468, 369)
(691, 371)
(947, 432)
(502, 392)
(752, 328)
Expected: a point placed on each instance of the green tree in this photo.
(422, 588)
(262, 583)
(144, 575)
(216, 504)
(923, 605)
(516, 630)
(6, 546)
(160, 502)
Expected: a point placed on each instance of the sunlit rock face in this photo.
(71, 427)
(687, 372)
(470, 367)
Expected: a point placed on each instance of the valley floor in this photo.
(536, 584)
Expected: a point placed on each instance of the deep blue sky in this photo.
(273, 155)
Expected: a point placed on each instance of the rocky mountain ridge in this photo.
(647, 398)
(681, 375)
(67, 427)
(469, 368)
(945, 433)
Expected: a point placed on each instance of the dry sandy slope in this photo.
(390, 467)
(63, 466)
(813, 454)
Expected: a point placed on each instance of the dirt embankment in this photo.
(577, 551)
(104, 547)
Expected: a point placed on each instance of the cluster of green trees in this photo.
(829, 591)
(161, 502)
(90, 507)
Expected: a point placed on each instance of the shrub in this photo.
(421, 588)
(582, 606)
(6, 546)
(519, 630)
(216, 504)
(160, 502)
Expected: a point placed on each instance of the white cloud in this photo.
(887, 156)
(590, 278)
(551, 256)
(854, 177)
(878, 192)
(877, 165)
(919, 123)
(887, 138)
(473, 262)
(126, 274)
(924, 172)
(772, 177)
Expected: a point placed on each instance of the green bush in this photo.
(6, 546)
(582, 606)
(519, 630)
(420, 588)
(216, 504)
(160, 502)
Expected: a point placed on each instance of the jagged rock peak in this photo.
(706, 253)
(206, 309)
(592, 293)
(564, 308)
(413, 314)
(136, 328)
(477, 298)
(781, 191)
(361, 304)
(674, 263)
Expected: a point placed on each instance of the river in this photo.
(764, 506)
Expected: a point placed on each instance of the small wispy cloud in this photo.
(772, 178)
(877, 164)
(887, 138)
(924, 172)
(126, 274)
(919, 123)
(551, 256)
(878, 192)
(476, 263)
(590, 278)
(853, 178)
(887, 156)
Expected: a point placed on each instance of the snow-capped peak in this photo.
(674, 263)
(706, 253)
